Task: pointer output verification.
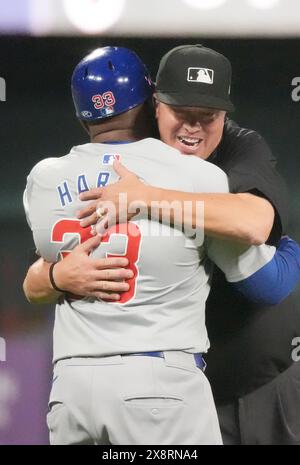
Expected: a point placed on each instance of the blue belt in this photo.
(200, 363)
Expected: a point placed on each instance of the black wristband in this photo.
(52, 278)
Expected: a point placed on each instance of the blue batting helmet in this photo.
(109, 81)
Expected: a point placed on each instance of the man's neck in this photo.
(116, 135)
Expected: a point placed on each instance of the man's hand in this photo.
(100, 278)
(118, 202)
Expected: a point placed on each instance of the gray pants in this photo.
(132, 400)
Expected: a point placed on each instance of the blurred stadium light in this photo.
(92, 16)
(231, 18)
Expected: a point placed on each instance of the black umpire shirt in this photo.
(250, 344)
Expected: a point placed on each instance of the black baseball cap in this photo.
(194, 76)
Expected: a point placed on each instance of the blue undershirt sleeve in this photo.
(275, 280)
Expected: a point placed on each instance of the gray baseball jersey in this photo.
(165, 307)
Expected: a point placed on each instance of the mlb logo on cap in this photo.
(204, 75)
(109, 110)
(109, 158)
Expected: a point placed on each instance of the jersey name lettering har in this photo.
(65, 193)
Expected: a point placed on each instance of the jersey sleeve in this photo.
(277, 279)
(32, 180)
(263, 274)
(26, 203)
(238, 261)
(39, 194)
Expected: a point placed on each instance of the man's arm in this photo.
(37, 287)
(246, 218)
(263, 274)
(242, 217)
(78, 274)
(276, 280)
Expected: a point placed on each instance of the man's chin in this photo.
(195, 153)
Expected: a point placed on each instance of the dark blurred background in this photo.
(38, 121)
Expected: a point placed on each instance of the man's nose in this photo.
(192, 125)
